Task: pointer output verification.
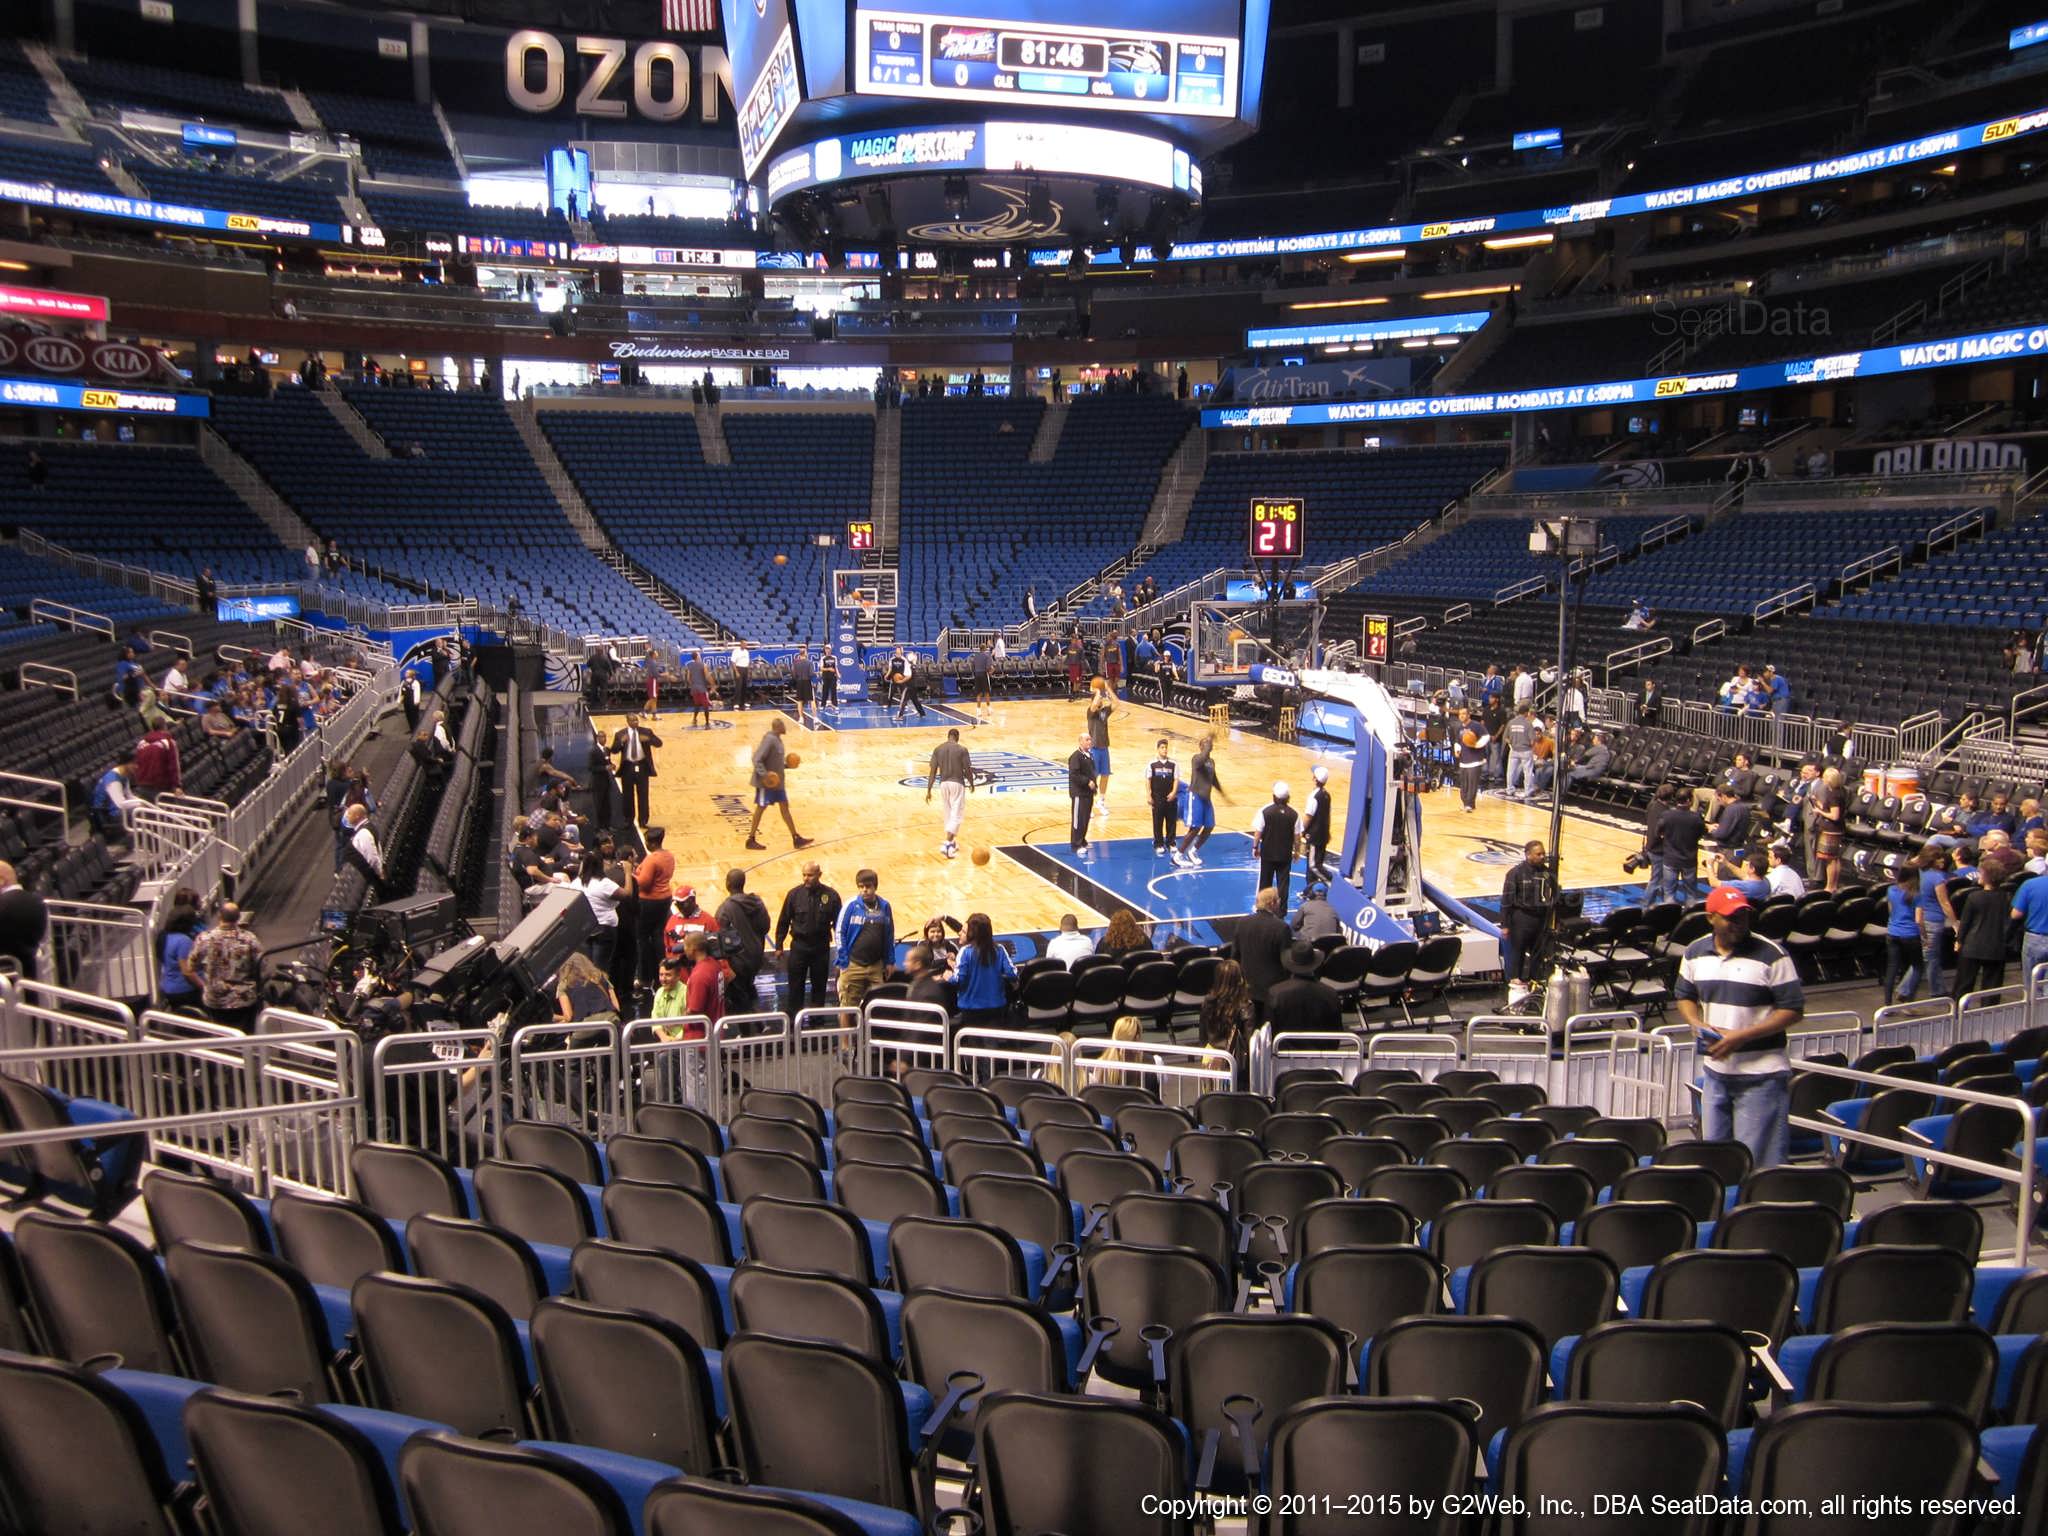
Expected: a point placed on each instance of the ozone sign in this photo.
(609, 87)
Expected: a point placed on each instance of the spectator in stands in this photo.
(529, 866)
(157, 769)
(128, 678)
(1841, 747)
(685, 916)
(1745, 872)
(1999, 818)
(1673, 843)
(583, 994)
(1599, 756)
(982, 976)
(412, 697)
(1315, 918)
(1302, 1003)
(1734, 694)
(1738, 778)
(867, 939)
(1226, 1015)
(945, 949)
(1070, 943)
(176, 681)
(1493, 718)
(1259, 942)
(602, 892)
(1904, 951)
(177, 982)
(926, 978)
(1949, 826)
(1778, 690)
(743, 921)
(1572, 700)
(1740, 993)
(704, 977)
(227, 962)
(2029, 906)
(1784, 880)
(1521, 687)
(207, 589)
(432, 761)
(2030, 818)
(1730, 827)
(671, 999)
(2037, 851)
(1984, 919)
(1826, 804)
(549, 775)
(653, 885)
(24, 921)
(313, 560)
(1640, 616)
(38, 471)
(113, 796)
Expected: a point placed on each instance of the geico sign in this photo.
(601, 60)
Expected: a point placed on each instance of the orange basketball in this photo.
(771, 780)
(980, 855)
(782, 559)
(1470, 738)
(792, 761)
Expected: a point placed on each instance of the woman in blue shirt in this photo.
(1936, 915)
(179, 990)
(1903, 956)
(982, 975)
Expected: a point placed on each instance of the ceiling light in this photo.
(1398, 253)
(1510, 242)
(1468, 293)
(1336, 303)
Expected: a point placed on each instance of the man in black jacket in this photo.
(1675, 852)
(805, 931)
(1260, 941)
(1275, 830)
(23, 921)
(1301, 1002)
(743, 924)
(1081, 792)
(633, 746)
(1525, 900)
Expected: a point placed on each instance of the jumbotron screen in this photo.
(1182, 60)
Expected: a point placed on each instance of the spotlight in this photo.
(1107, 200)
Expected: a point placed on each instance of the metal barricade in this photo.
(312, 1070)
(1994, 1015)
(1579, 1074)
(568, 1074)
(1179, 1074)
(212, 1072)
(102, 949)
(2019, 1173)
(1424, 1055)
(1272, 1056)
(750, 1050)
(441, 1089)
(657, 1068)
(1639, 1081)
(827, 1046)
(982, 1054)
(1926, 1024)
(1821, 1034)
(42, 1017)
(906, 1034)
(1681, 1101)
(1506, 1046)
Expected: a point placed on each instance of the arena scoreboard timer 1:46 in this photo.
(957, 58)
(1277, 527)
(860, 536)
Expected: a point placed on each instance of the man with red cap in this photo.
(1740, 993)
(685, 917)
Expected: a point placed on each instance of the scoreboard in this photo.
(1377, 634)
(1278, 525)
(860, 536)
(1118, 68)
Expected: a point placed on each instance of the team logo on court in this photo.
(1494, 850)
(999, 772)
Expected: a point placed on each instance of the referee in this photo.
(951, 771)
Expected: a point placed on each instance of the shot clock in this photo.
(1278, 524)
(860, 536)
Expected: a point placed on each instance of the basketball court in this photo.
(858, 790)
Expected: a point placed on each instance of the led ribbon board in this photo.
(1909, 357)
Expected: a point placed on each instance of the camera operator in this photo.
(1526, 899)
(1672, 843)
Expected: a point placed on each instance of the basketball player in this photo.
(979, 667)
(1081, 791)
(910, 685)
(1101, 705)
(1198, 808)
(771, 763)
(697, 678)
(800, 687)
(1315, 825)
(1471, 742)
(952, 770)
(828, 681)
(1162, 777)
(1276, 829)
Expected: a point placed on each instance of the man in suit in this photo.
(1081, 794)
(633, 746)
(1261, 941)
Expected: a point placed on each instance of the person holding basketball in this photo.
(770, 763)
(952, 771)
(1101, 705)
(1198, 807)
(1472, 742)
(828, 681)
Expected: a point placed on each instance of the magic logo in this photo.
(1494, 850)
(1000, 772)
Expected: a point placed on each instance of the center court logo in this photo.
(1495, 851)
(1002, 772)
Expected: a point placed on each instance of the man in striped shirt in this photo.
(1740, 993)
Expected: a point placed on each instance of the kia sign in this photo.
(54, 354)
(121, 362)
(51, 304)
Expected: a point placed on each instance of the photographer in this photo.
(1526, 898)
(1672, 844)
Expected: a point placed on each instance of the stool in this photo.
(1283, 723)
(1219, 716)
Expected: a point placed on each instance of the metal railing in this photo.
(174, 590)
(2022, 1176)
(1994, 488)
(1634, 655)
(1952, 531)
(1519, 589)
(1788, 601)
(1869, 567)
(41, 674)
(49, 611)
